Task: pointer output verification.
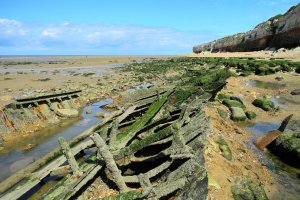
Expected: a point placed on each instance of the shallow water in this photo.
(46, 141)
(286, 175)
(266, 85)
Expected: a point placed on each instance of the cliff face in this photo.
(279, 31)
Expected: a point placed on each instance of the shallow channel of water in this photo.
(286, 175)
(46, 141)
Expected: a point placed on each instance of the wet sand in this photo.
(32, 75)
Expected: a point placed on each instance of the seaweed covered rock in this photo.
(287, 147)
(224, 147)
(245, 189)
(264, 104)
(223, 113)
(233, 103)
(237, 114)
(295, 92)
(251, 115)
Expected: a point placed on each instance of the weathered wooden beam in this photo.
(103, 150)
(113, 133)
(129, 111)
(141, 122)
(69, 155)
(63, 170)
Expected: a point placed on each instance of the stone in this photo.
(225, 149)
(278, 78)
(264, 104)
(88, 111)
(223, 113)
(212, 182)
(233, 103)
(67, 113)
(251, 115)
(248, 167)
(237, 114)
(237, 98)
(245, 189)
(287, 147)
(295, 92)
(100, 114)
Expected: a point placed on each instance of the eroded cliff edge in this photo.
(280, 31)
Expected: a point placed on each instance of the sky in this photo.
(125, 27)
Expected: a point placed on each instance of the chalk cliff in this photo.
(281, 31)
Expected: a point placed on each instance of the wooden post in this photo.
(113, 134)
(103, 150)
(69, 155)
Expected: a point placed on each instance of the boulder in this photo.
(67, 113)
(264, 104)
(295, 92)
(237, 114)
(287, 147)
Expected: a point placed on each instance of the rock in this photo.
(223, 113)
(295, 92)
(264, 104)
(100, 114)
(237, 114)
(88, 111)
(281, 31)
(287, 147)
(233, 103)
(225, 149)
(251, 115)
(67, 113)
(246, 189)
(278, 78)
(28, 147)
(248, 167)
(237, 98)
(212, 182)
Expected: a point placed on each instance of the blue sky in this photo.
(123, 27)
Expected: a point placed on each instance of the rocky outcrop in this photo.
(279, 31)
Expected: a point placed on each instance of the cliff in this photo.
(278, 32)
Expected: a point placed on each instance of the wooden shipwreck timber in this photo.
(48, 109)
(152, 148)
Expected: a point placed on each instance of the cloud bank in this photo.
(66, 38)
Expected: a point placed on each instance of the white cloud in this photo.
(11, 27)
(68, 38)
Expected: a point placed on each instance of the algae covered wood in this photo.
(69, 155)
(140, 123)
(71, 184)
(103, 150)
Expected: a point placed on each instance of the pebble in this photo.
(248, 167)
